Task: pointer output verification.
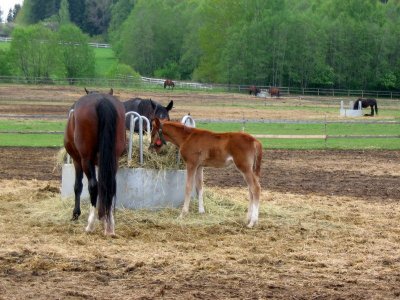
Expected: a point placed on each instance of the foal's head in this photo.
(157, 136)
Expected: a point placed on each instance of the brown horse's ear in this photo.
(153, 105)
(111, 91)
(170, 105)
(87, 92)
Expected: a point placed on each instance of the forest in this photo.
(349, 44)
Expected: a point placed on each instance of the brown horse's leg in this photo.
(78, 191)
(191, 173)
(199, 188)
(90, 171)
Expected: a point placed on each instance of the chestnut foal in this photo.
(202, 148)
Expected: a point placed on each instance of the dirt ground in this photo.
(329, 225)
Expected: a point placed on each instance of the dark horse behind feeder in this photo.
(148, 108)
(365, 103)
(274, 91)
(254, 90)
(169, 83)
(95, 136)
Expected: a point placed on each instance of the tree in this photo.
(34, 52)
(5, 65)
(98, 15)
(77, 56)
(10, 16)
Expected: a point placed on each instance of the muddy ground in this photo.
(329, 223)
(369, 175)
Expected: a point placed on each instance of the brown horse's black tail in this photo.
(107, 123)
(376, 108)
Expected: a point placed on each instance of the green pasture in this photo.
(105, 60)
(34, 133)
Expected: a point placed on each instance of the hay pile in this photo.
(165, 160)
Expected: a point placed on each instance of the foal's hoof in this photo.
(251, 224)
(75, 217)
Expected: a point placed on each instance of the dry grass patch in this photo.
(304, 246)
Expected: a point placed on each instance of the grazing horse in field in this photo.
(273, 91)
(95, 136)
(169, 83)
(203, 148)
(254, 90)
(97, 92)
(148, 108)
(365, 103)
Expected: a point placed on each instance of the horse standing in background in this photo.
(273, 91)
(254, 90)
(169, 83)
(202, 148)
(148, 108)
(365, 103)
(95, 136)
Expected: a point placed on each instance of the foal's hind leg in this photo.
(90, 172)
(78, 191)
(253, 183)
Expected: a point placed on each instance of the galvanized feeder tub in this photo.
(137, 188)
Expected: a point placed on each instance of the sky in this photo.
(5, 6)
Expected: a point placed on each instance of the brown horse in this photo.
(273, 91)
(95, 135)
(169, 83)
(202, 148)
(254, 90)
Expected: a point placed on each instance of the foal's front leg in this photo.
(199, 188)
(190, 175)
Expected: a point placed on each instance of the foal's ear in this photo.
(170, 105)
(156, 123)
(87, 92)
(111, 91)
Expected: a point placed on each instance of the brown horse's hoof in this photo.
(75, 217)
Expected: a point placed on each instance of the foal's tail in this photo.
(376, 108)
(107, 118)
(257, 158)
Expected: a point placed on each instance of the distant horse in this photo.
(273, 91)
(203, 148)
(169, 83)
(148, 108)
(97, 92)
(95, 135)
(365, 103)
(254, 90)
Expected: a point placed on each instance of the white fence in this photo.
(95, 45)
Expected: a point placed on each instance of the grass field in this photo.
(33, 138)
